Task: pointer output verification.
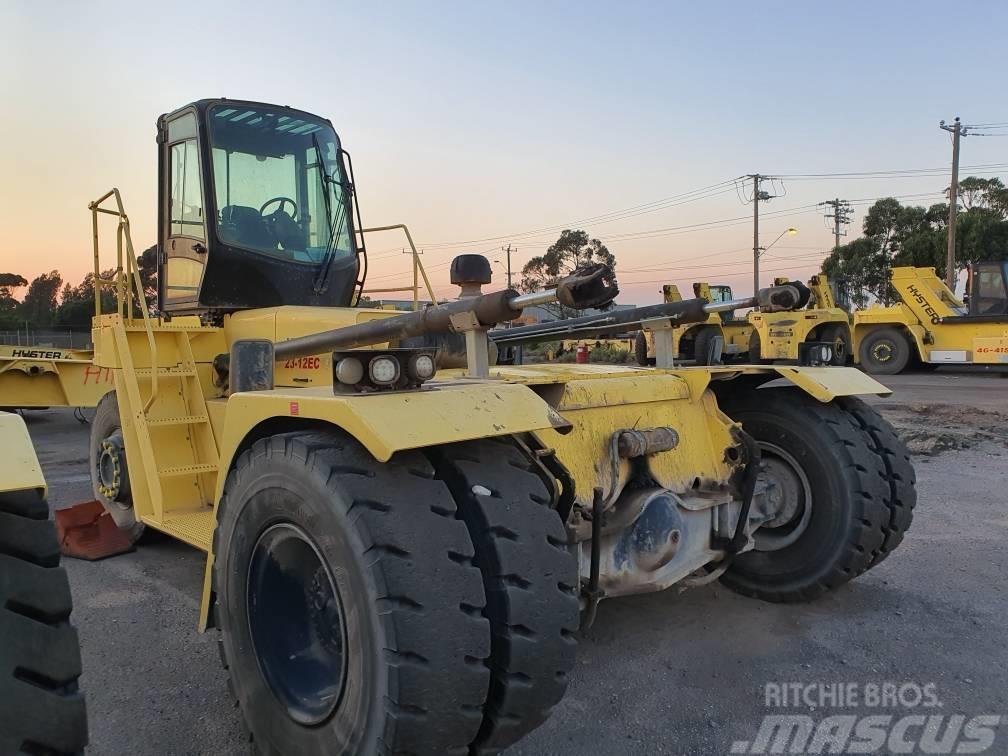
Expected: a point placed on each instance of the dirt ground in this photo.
(668, 673)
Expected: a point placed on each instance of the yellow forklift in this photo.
(698, 341)
(819, 319)
(931, 326)
(399, 559)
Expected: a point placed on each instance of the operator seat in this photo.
(245, 227)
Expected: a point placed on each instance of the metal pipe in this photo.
(616, 321)
(488, 310)
(535, 298)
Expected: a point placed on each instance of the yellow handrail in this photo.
(417, 267)
(124, 280)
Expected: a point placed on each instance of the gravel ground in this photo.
(675, 673)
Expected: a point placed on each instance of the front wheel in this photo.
(109, 473)
(884, 351)
(351, 612)
(840, 489)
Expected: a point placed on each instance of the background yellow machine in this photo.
(42, 710)
(761, 336)
(37, 377)
(819, 319)
(399, 559)
(695, 341)
(930, 325)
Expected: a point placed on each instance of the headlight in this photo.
(384, 371)
(349, 370)
(422, 367)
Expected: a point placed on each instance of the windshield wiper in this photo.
(321, 283)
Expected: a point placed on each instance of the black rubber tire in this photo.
(413, 599)
(105, 423)
(853, 504)
(755, 351)
(838, 336)
(641, 350)
(900, 473)
(42, 709)
(885, 351)
(702, 344)
(530, 576)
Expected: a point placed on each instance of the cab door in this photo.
(183, 228)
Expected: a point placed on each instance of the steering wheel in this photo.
(283, 202)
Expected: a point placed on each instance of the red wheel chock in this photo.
(87, 531)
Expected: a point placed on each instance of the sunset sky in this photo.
(479, 124)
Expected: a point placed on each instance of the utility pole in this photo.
(958, 130)
(757, 196)
(841, 216)
(508, 251)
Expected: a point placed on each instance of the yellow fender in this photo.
(387, 422)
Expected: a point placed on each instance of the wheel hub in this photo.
(111, 465)
(296, 623)
(787, 499)
(882, 351)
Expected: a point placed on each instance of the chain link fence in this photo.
(60, 338)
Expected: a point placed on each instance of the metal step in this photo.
(181, 420)
(195, 528)
(171, 472)
(172, 372)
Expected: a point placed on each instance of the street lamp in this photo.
(759, 253)
(788, 232)
(506, 270)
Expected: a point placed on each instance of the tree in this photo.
(39, 305)
(568, 253)
(896, 235)
(76, 306)
(147, 265)
(9, 305)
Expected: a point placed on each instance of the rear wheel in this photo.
(641, 350)
(829, 466)
(109, 474)
(755, 349)
(530, 578)
(837, 336)
(43, 710)
(703, 346)
(350, 610)
(885, 351)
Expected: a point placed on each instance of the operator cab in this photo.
(722, 293)
(988, 289)
(255, 210)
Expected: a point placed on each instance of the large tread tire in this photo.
(837, 335)
(641, 350)
(413, 599)
(755, 349)
(885, 351)
(702, 346)
(900, 474)
(106, 422)
(853, 507)
(530, 576)
(42, 709)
